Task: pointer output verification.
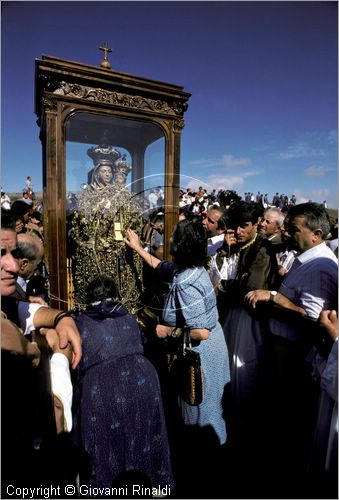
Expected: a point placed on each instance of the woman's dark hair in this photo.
(20, 208)
(189, 244)
(101, 287)
(188, 213)
(7, 220)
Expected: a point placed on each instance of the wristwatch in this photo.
(273, 294)
(174, 332)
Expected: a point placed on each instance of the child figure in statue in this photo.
(122, 169)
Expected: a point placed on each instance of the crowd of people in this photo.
(254, 283)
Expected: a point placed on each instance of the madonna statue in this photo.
(103, 175)
(106, 208)
(104, 158)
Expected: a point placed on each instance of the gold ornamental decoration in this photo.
(130, 101)
(97, 228)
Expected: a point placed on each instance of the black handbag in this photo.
(186, 372)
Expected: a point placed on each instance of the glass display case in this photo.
(108, 139)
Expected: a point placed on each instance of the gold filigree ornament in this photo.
(96, 234)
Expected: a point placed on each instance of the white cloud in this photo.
(317, 171)
(228, 182)
(193, 184)
(232, 161)
(219, 182)
(333, 137)
(301, 150)
(206, 162)
(317, 195)
(231, 182)
(312, 144)
(225, 161)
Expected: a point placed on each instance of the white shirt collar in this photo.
(320, 250)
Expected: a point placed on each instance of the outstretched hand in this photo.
(256, 296)
(132, 239)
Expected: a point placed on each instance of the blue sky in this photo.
(263, 78)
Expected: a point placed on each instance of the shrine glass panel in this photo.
(113, 164)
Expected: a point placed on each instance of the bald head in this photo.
(31, 253)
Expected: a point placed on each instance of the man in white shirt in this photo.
(153, 200)
(5, 201)
(33, 316)
(310, 286)
(21, 393)
(312, 282)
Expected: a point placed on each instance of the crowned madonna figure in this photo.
(106, 208)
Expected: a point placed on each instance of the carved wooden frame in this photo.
(64, 88)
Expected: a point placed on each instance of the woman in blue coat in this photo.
(197, 433)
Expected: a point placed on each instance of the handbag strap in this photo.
(186, 342)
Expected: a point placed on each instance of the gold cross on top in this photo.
(105, 63)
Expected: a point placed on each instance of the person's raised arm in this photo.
(132, 240)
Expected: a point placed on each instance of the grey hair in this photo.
(27, 250)
(281, 215)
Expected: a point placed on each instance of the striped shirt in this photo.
(311, 283)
